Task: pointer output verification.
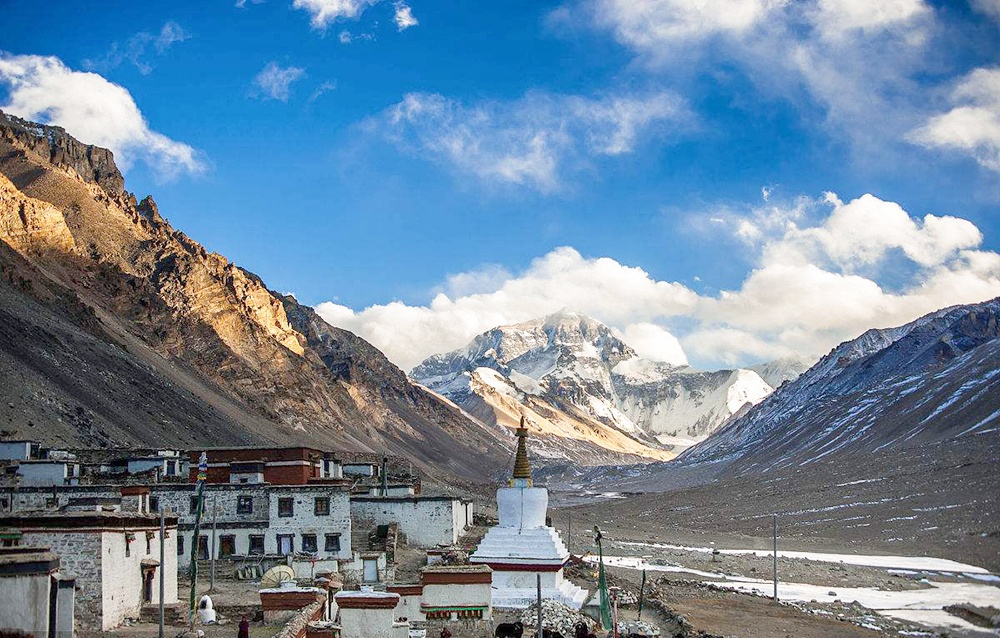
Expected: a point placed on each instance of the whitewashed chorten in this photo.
(521, 546)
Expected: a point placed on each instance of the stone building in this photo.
(427, 521)
(114, 557)
(35, 597)
(258, 520)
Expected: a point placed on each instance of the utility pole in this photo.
(215, 516)
(569, 534)
(162, 566)
(774, 562)
(538, 624)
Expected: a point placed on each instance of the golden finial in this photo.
(522, 468)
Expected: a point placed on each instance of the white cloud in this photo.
(988, 7)
(529, 141)
(324, 87)
(93, 110)
(403, 15)
(648, 24)
(134, 49)
(801, 297)
(835, 18)
(602, 288)
(274, 82)
(326, 12)
(855, 61)
(973, 125)
(652, 342)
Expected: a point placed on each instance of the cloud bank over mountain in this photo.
(815, 281)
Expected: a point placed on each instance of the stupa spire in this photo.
(522, 467)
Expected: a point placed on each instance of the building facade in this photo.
(114, 556)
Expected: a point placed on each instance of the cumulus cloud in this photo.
(135, 48)
(325, 12)
(403, 15)
(274, 82)
(835, 18)
(973, 125)
(802, 295)
(616, 294)
(532, 141)
(647, 24)
(653, 342)
(93, 110)
(856, 60)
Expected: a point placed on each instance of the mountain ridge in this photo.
(221, 343)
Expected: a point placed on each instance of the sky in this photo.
(724, 182)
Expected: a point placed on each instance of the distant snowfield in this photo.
(916, 563)
(924, 606)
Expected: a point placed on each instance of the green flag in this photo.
(602, 583)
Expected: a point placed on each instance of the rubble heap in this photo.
(556, 617)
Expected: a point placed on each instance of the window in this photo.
(154, 503)
(286, 507)
(309, 543)
(332, 543)
(180, 545)
(149, 543)
(171, 468)
(322, 507)
(286, 544)
(244, 505)
(194, 505)
(203, 547)
(257, 544)
(227, 545)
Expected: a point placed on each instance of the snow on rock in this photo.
(578, 367)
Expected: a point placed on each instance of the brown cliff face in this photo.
(264, 367)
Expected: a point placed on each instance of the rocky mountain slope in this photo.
(934, 379)
(889, 444)
(119, 329)
(577, 381)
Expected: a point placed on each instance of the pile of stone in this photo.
(556, 617)
(637, 628)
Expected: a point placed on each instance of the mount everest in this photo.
(576, 380)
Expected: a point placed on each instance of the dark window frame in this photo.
(321, 506)
(222, 545)
(244, 504)
(309, 543)
(286, 507)
(254, 540)
(331, 543)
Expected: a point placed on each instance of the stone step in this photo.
(173, 614)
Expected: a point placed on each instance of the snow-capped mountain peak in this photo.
(582, 371)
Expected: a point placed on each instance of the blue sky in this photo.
(423, 171)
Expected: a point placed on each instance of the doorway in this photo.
(147, 585)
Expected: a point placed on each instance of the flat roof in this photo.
(73, 520)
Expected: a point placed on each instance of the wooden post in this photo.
(774, 562)
(215, 516)
(163, 566)
(538, 624)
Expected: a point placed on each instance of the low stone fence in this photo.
(296, 626)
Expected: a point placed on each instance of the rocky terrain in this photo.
(119, 329)
(580, 385)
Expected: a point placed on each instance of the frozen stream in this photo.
(924, 606)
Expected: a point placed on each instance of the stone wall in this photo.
(122, 574)
(80, 556)
(426, 521)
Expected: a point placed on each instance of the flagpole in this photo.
(193, 567)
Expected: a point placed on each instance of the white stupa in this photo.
(521, 546)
